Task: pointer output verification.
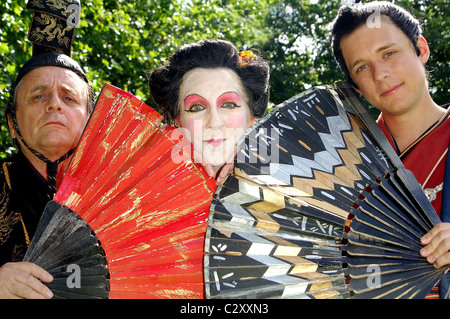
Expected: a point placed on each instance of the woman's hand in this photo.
(223, 172)
(24, 280)
(437, 241)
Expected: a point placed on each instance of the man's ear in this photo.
(12, 131)
(424, 49)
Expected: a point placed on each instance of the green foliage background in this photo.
(120, 41)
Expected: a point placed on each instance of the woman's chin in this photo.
(216, 162)
(217, 158)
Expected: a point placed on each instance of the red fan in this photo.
(132, 186)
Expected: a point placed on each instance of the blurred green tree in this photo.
(120, 41)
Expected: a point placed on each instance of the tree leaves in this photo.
(120, 41)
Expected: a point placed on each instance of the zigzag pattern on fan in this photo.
(317, 198)
(131, 210)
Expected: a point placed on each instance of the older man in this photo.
(49, 106)
(48, 111)
(380, 49)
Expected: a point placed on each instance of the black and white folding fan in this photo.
(318, 206)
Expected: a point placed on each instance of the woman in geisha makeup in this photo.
(213, 93)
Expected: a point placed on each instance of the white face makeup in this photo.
(214, 113)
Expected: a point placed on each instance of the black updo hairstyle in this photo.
(165, 81)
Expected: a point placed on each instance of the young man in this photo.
(380, 49)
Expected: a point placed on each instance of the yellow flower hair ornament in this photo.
(245, 58)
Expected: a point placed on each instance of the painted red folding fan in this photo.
(129, 218)
(319, 206)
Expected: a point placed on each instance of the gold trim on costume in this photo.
(5, 170)
(27, 238)
(7, 225)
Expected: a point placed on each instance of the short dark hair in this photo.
(350, 17)
(165, 81)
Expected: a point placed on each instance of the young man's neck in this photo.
(407, 128)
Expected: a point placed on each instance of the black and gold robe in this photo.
(24, 192)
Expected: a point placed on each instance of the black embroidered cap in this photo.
(51, 31)
(53, 25)
(51, 59)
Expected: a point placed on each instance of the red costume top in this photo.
(426, 157)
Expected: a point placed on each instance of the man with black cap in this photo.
(49, 106)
